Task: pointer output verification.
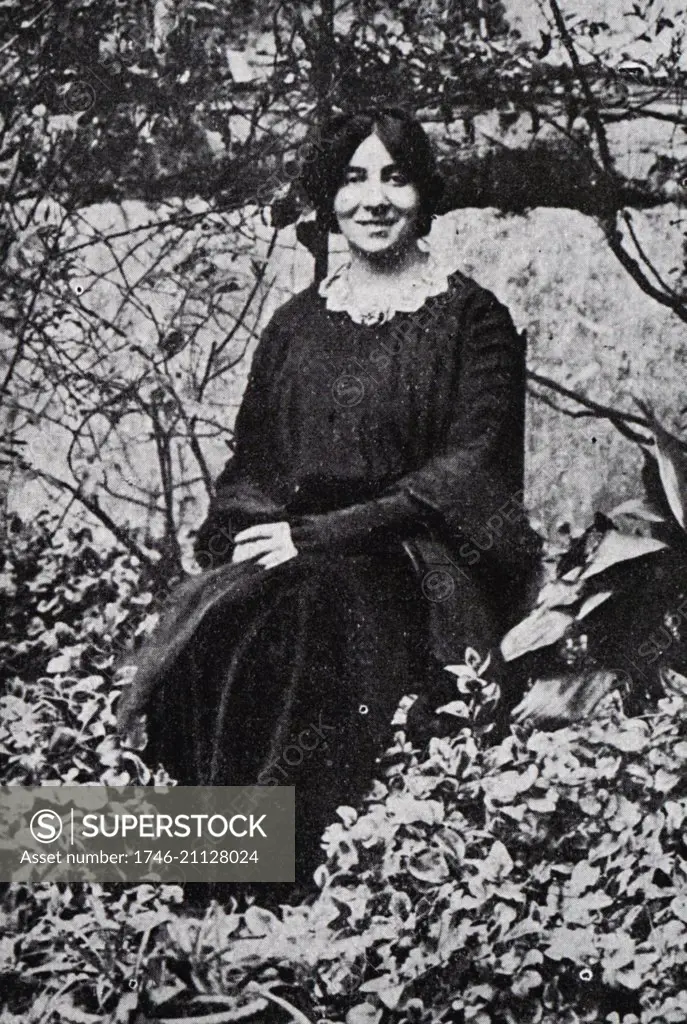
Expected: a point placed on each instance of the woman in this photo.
(369, 526)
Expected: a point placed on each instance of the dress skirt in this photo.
(296, 685)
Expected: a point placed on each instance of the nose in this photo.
(374, 195)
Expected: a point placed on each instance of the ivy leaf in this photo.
(429, 866)
(674, 681)
(407, 810)
(678, 905)
(506, 786)
(665, 781)
(576, 944)
(545, 804)
(260, 922)
(456, 707)
(627, 978)
(363, 1013)
(584, 876)
(630, 740)
(348, 815)
(498, 863)
(526, 983)
(65, 661)
(580, 909)
(620, 951)
(388, 994)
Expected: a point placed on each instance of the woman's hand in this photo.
(269, 544)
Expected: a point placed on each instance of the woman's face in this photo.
(377, 207)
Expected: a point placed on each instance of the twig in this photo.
(619, 419)
(593, 116)
(614, 239)
(162, 445)
(93, 506)
(29, 24)
(609, 223)
(627, 218)
(216, 350)
(634, 113)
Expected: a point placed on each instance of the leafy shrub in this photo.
(68, 609)
(71, 953)
(616, 608)
(539, 880)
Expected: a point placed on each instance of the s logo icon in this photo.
(46, 826)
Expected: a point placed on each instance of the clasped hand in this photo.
(269, 544)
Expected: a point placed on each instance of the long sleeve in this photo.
(239, 500)
(478, 467)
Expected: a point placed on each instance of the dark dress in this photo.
(396, 454)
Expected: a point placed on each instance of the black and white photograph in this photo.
(343, 465)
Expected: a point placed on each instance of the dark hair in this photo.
(406, 141)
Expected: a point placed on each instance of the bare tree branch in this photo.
(609, 224)
(614, 239)
(620, 420)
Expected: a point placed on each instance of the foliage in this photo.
(69, 952)
(68, 612)
(104, 102)
(541, 879)
(110, 100)
(85, 73)
(537, 880)
(616, 609)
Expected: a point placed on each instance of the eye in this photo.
(397, 177)
(352, 174)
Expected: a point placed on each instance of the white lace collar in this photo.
(340, 297)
